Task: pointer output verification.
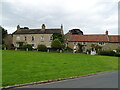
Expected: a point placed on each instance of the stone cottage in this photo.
(35, 37)
(105, 41)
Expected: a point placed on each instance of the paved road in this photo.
(103, 80)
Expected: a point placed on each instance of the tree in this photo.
(56, 44)
(58, 36)
(4, 33)
(96, 47)
(80, 48)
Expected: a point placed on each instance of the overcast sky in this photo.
(91, 16)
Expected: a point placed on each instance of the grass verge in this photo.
(31, 66)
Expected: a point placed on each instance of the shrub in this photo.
(56, 44)
(80, 48)
(4, 46)
(42, 48)
(11, 47)
(68, 49)
(88, 50)
(96, 47)
(24, 47)
(117, 54)
(118, 50)
(108, 53)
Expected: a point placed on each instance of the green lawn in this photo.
(31, 66)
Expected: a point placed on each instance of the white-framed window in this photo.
(33, 45)
(48, 46)
(25, 38)
(84, 49)
(18, 38)
(42, 38)
(33, 38)
(101, 43)
(17, 45)
(75, 43)
(51, 38)
(83, 43)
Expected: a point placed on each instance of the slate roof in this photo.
(94, 38)
(37, 31)
(76, 31)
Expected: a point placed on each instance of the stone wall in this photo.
(37, 39)
(8, 40)
(107, 46)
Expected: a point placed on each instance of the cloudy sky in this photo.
(91, 16)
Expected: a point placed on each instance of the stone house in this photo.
(105, 41)
(8, 39)
(35, 37)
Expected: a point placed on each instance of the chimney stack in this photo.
(43, 26)
(18, 27)
(106, 32)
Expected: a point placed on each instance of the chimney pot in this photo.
(43, 26)
(106, 32)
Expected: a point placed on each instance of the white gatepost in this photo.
(48, 50)
(4, 48)
(60, 51)
(26, 49)
(74, 48)
(93, 52)
(15, 49)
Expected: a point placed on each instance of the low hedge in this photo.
(24, 47)
(68, 49)
(109, 53)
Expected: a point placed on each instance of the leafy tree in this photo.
(56, 44)
(42, 48)
(80, 47)
(3, 32)
(20, 43)
(58, 36)
(97, 47)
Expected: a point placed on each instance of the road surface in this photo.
(102, 80)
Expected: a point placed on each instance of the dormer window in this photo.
(51, 38)
(101, 43)
(25, 38)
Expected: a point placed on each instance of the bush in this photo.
(118, 50)
(56, 44)
(89, 51)
(68, 49)
(4, 46)
(117, 54)
(24, 47)
(108, 53)
(42, 48)
(11, 47)
(80, 48)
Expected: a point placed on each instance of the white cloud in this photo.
(91, 16)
